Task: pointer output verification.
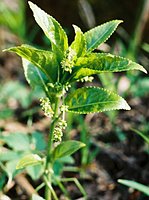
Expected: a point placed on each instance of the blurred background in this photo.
(114, 147)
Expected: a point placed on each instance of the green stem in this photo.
(77, 184)
(49, 186)
(141, 20)
(48, 166)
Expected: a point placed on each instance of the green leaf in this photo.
(100, 34)
(8, 155)
(135, 185)
(143, 135)
(10, 168)
(17, 141)
(36, 197)
(103, 62)
(94, 99)
(36, 171)
(2, 181)
(79, 44)
(29, 160)
(34, 76)
(66, 149)
(44, 60)
(50, 27)
(38, 140)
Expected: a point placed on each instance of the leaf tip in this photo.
(120, 21)
(119, 180)
(144, 70)
(31, 5)
(125, 105)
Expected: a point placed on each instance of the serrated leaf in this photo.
(37, 197)
(135, 185)
(34, 76)
(79, 44)
(66, 149)
(100, 34)
(94, 99)
(44, 60)
(50, 27)
(95, 63)
(29, 160)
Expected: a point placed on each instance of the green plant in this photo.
(12, 15)
(133, 184)
(54, 71)
(13, 147)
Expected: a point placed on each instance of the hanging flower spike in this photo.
(46, 107)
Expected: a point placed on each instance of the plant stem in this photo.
(48, 167)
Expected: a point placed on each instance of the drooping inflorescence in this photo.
(46, 107)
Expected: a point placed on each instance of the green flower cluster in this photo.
(68, 61)
(58, 131)
(46, 107)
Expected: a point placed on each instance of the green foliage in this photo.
(17, 141)
(135, 185)
(94, 99)
(79, 43)
(145, 46)
(34, 76)
(44, 60)
(29, 160)
(13, 17)
(100, 34)
(19, 146)
(54, 70)
(51, 28)
(143, 135)
(96, 63)
(17, 91)
(140, 88)
(66, 149)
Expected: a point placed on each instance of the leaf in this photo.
(103, 62)
(100, 34)
(50, 27)
(8, 155)
(44, 60)
(29, 160)
(17, 141)
(10, 168)
(35, 171)
(2, 181)
(143, 135)
(38, 140)
(94, 99)
(66, 149)
(36, 197)
(34, 76)
(79, 44)
(18, 91)
(135, 185)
